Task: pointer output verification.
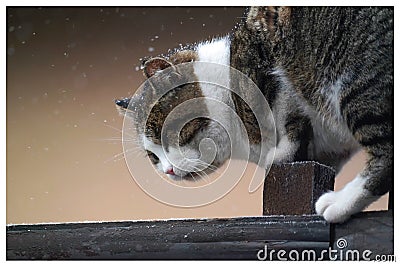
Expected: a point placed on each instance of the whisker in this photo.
(121, 155)
(208, 166)
(119, 130)
(112, 127)
(207, 178)
(194, 180)
(113, 139)
(116, 157)
(202, 174)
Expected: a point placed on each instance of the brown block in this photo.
(293, 188)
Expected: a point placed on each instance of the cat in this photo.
(327, 74)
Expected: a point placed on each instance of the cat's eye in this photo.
(153, 158)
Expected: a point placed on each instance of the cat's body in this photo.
(327, 74)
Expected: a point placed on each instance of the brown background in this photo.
(65, 66)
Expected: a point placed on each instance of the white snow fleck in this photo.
(151, 49)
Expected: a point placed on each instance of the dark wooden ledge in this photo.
(234, 238)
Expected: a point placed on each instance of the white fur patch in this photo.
(336, 207)
(159, 152)
(284, 151)
(332, 94)
(283, 79)
(215, 51)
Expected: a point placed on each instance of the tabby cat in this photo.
(327, 74)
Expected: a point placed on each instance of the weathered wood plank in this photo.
(236, 238)
(293, 188)
(371, 231)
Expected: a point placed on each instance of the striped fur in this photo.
(335, 66)
(327, 73)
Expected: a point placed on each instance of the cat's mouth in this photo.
(190, 176)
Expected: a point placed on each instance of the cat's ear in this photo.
(151, 66)
(184, 56)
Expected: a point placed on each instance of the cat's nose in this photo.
(170, 170)
(123, 102)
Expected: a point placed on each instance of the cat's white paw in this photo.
(337, 207)
(331, 208)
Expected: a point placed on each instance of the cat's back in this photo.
(332, 34)
(337, 62)
(314, 44)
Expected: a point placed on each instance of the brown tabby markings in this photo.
(172, 99)
(317, 46)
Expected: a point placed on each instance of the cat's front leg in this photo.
(374, 181)
(372, 127)
(284, 152)
(294, 137)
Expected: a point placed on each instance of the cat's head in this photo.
(179, 149)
